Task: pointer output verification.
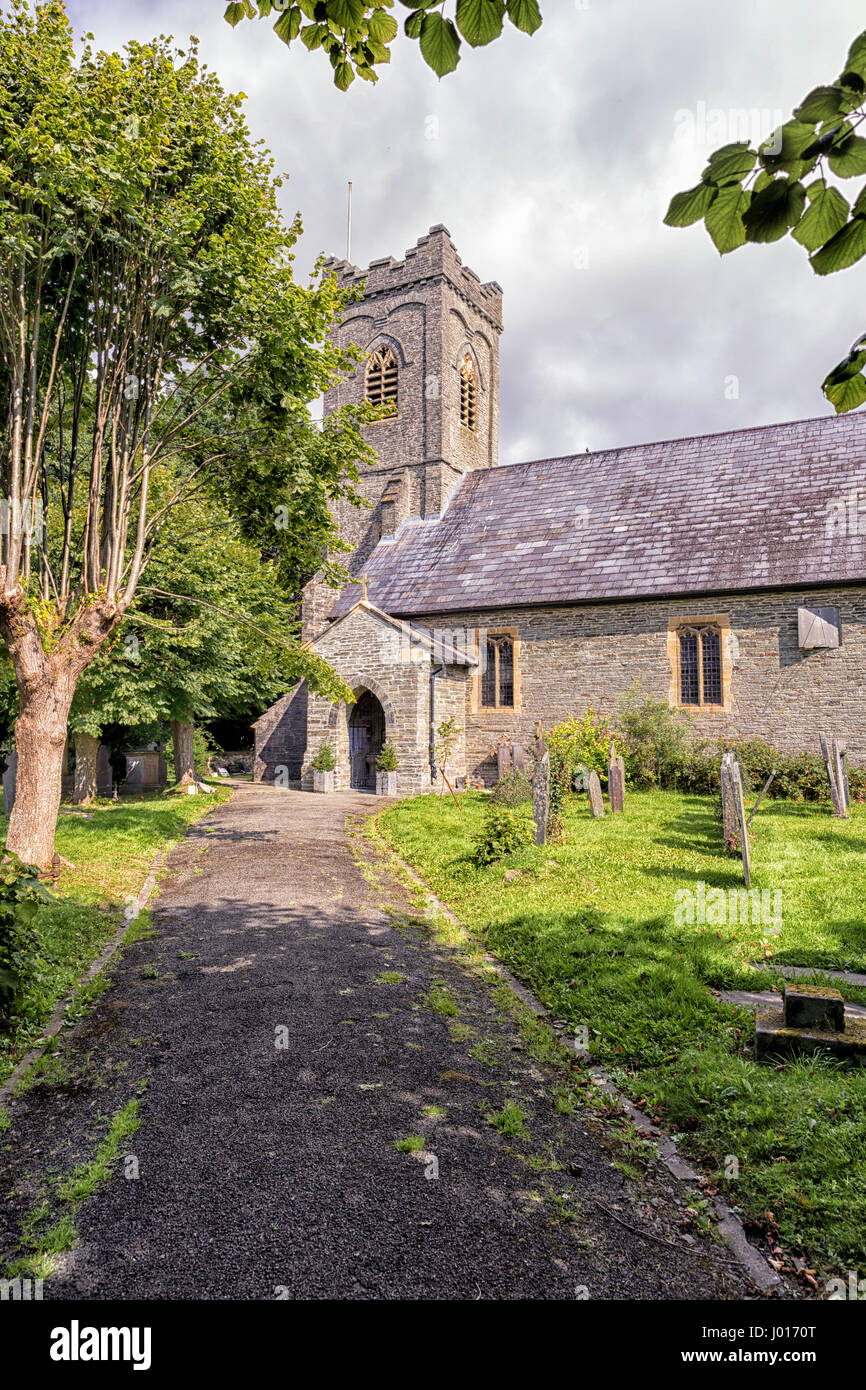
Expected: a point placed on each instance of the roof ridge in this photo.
(683, 439)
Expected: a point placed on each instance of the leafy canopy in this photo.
(762, 195)
(357, 34)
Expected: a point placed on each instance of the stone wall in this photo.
(429, 309)
(281, 737)
(572, 656)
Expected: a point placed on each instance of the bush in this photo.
(505, 830)
(585, 740)
(21, 963)
(387, 760)
(324, 761)
(513, 789)
(656, 741)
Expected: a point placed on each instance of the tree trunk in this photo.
(86, 749)
(40, 738)
(184, 765)
(46, 684)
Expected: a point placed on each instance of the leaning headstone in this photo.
(541, 797)
(831, 760)
(596, 800)
(741, 823)
(840, 763)
(730, 825)
(503, 760)
(9, 783)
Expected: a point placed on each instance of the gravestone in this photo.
(615, 779)
(103, 770)
(741, 822)
(520, 757)
(9, 783)
(730, 825)
(541, 797)
(596, 800)
(834, 754)
(503, 760)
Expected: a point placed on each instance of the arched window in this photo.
(381, 377)
(468, 393)
(497, 678)
(700, 666)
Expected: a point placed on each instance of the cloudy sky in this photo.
(552, 161)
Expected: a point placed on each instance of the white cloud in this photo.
(552, 164)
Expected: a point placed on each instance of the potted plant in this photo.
(386, 770)
(323, 769)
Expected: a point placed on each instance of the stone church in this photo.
(725, 573)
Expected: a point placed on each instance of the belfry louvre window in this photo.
(497, 678)
(468, 393)
(381, 377)
(700, 666)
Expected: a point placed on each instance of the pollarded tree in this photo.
(145, 284)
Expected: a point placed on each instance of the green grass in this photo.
(413, 1143)
(41, 1243)
(389, 977)
(511, 1121)
(112, 854)
(595, 935)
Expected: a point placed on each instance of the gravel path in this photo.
(270, 1170)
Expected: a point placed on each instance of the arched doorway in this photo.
(366, 736)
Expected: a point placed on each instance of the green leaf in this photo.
(381, 26)
(480, 21)
(825, 215)
(790, 141)
(343, 76)
(730, 162)
(774, 209)
(690, 206)
(850, 158)
(846, 395)
(413, 24)
(312, 36)
(822, 104)
(848, 367)
(724, 219)
(346, 13)
(440, 44)
(288, 26)
(235, 13)
(524, 15)
(856, 60)
(842, 250)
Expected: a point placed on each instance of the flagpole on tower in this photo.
(349, 226)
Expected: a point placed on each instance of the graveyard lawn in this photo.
(589, 924)
(112, 847)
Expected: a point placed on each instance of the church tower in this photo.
(431, 331)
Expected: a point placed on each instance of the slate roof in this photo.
(746, 510)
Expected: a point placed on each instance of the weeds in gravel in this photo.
(413, 1143)
(510, 1121)
(40, 1243)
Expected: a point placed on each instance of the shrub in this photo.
(21, 964)
(656, 740)
(505, 830)
(387, 760)
(585, 740)
(513, 789)
(324, 761)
